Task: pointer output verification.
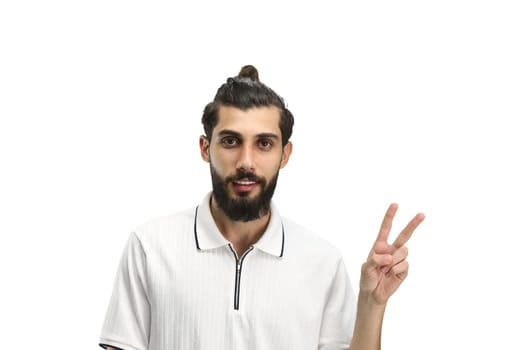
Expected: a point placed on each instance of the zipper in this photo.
(238, 270)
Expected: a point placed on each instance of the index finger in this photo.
(405, 235)
(386, 224)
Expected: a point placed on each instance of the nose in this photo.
(246, 159)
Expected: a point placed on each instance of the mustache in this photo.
(243, 175)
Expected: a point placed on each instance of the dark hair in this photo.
(245, 91)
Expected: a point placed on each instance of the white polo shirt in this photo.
(180, 286)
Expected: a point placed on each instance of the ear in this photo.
(204, 145)
(287, 151)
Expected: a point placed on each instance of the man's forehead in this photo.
(269, 111)
(253, 120)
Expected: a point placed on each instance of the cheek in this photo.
(220, 163)
(270, 167)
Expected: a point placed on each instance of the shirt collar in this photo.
(208, 236)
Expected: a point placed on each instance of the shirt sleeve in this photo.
(127, 321)
(338, 321)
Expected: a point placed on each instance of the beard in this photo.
(242, 208)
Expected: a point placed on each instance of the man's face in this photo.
(245, 154)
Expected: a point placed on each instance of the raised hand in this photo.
(386, 266)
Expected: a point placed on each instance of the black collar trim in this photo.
(195, 228)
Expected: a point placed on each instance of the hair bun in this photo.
(250, 72)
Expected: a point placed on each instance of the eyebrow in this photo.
(228, 132)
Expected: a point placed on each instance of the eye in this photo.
(230, 141)
(265, 144)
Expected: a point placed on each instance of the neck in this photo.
(241, 234)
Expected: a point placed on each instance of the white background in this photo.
(416, 102)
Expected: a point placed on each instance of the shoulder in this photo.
(167, 226)
(300, 239)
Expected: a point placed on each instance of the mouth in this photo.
(244, 185)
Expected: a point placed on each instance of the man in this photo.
(232, 273)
